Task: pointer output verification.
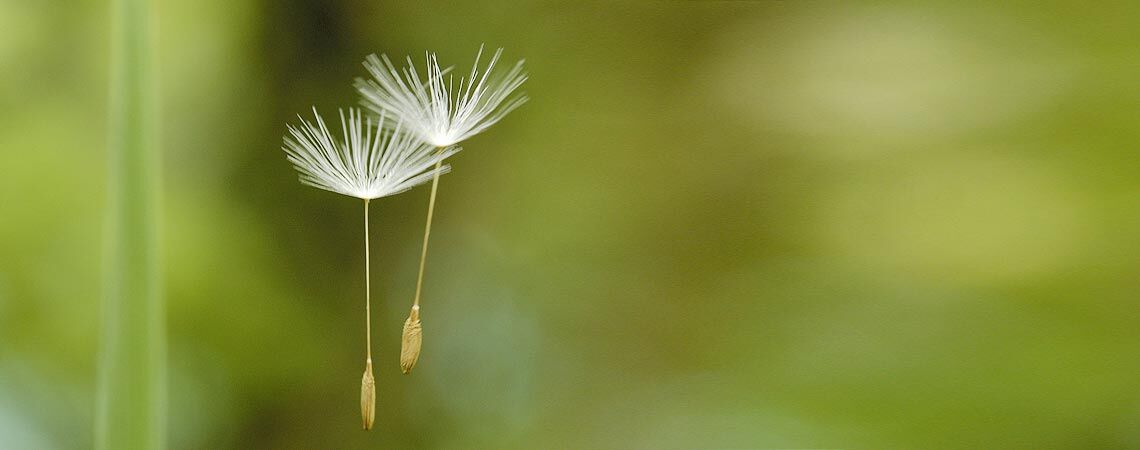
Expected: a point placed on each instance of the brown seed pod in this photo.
(368, 396)
(411, 341)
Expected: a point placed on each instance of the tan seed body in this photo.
(368, 396)
(411, 341)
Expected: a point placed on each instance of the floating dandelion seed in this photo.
(440, 113)
(367, 163)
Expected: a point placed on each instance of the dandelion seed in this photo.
(367, 162)
(440, 113)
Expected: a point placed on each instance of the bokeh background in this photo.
(715, 225)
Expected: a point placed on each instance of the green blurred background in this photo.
(715, 225)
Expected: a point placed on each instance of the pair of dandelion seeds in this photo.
(409, 126)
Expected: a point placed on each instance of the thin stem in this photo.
(367, 285)
(427, 233)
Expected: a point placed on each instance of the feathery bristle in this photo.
(437, 110)
(368, 162)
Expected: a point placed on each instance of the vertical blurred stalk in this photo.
(131, 409)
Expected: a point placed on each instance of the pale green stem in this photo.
(131, 397)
